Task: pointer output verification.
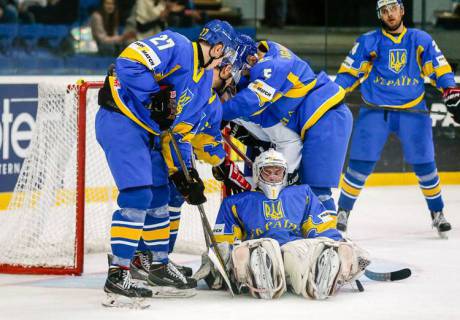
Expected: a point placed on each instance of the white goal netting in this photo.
(39, 226)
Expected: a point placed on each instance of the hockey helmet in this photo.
(217, 31)
(384, 3)
(269, 158)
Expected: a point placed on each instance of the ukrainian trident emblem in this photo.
(397, 60)
(273, 210)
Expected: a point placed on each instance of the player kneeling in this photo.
(288, 239)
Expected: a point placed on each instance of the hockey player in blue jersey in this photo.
(207, 146)
(279, 236)
(390, 64)
(129, 123)
(299, 111)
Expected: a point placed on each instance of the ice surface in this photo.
(392, 223)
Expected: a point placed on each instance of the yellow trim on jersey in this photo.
(182, 129)
(125, 109)
(420, 51)
(158, 234)
(442, 70)
(197, 74)
(299, 89)
(199, 142)
(265, 44)
(350, 189)
(393, 38)
(428, 69)
(213, 97)
(230, 238)
(329, 103)
(174, 225)
(159, 77)
(321, 227)
(404, 106)
(125, 232)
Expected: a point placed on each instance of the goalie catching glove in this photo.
(163, 107)
(193, 191)
(451, 98)
(231, 176)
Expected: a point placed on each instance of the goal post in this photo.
(65, 196)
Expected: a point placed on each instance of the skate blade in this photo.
(171, 292)
(119, 301)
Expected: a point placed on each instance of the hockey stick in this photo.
(375, 107)
(388, 276)
(214, 249)
(237, 150)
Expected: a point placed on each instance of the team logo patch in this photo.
(273, 210)
(397, 60)
(184, 99)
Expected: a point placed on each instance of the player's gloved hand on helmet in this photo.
(193, 191)
(244, 136)
(231, 176)
(163, 107)
(451, 97)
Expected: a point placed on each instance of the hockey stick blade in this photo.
(388, 276)
(215, 261)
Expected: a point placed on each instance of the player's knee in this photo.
(424, 169)
(160, 196)
(137, 198)
(363, 167)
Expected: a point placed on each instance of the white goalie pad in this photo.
(311, 268)
(258, 266)
(317, 268)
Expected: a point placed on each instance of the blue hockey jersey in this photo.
(296, 214)
(167, 58)
(391, 69)
(283, 88)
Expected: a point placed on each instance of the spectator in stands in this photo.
(105, 29)
(183, 14)
(55, 11)
(150, 17)
(8, 12)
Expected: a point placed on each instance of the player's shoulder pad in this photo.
(422, 37)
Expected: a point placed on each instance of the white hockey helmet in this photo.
(269, 158)
(384, 3)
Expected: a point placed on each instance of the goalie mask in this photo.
(269, 172)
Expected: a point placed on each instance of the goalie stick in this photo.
(388, 276)
(213, 251)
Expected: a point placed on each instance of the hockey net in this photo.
(65, 195)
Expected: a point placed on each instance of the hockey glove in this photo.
(244, 136)
(451, 98)
(231, 176)
(193, 192)
(163, 107)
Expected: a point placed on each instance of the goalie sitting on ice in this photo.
(281, 236)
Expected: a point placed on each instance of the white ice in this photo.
(392, 223)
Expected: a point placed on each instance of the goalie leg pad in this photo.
(258, 265)
(354, 261)
(312, 267)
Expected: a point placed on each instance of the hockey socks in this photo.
(428, 180)
(353, 182)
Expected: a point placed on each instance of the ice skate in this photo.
(167, 282)
(440, 223)
(342, 219)
(140, 265)
(123, 292)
